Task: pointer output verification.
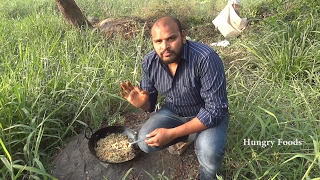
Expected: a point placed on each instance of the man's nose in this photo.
(164, 45)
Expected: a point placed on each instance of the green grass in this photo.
(55, 80)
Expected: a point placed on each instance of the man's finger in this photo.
(153, 144)
(129, 85)
(150, 141)
(125, 87)
(152, 134)
(124, 95)
(140, 91)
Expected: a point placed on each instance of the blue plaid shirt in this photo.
(198, 87)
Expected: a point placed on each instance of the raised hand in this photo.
(136, 96)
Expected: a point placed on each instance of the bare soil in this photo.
(76, 162)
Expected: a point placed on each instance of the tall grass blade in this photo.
(35, 170)
(7, 164)
(126, 174)
(5, 150)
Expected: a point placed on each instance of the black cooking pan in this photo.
(104, 132)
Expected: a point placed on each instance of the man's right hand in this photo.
(136, 96)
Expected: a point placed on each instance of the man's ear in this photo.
(183, 36)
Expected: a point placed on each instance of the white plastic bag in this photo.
(229, 23)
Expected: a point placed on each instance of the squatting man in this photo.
(190, 75)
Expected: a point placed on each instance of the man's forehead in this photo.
(164, 32)
(165, 28)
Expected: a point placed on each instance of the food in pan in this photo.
(115, 148)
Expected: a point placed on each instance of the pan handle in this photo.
(86, 130)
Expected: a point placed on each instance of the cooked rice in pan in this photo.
(115, 148)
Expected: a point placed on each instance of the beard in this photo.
(174, 58)
(171, 60)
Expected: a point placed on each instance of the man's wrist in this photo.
(145, 107)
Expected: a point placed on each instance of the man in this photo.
(191, 77)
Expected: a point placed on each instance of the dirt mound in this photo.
(123, 27)
(127, 28)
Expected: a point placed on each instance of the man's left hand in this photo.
(160, 137)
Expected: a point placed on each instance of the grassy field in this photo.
(56, 80)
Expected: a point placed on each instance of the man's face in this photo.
(168, 42)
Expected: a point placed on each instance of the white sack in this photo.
(229, 23)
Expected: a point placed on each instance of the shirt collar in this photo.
(185, 54)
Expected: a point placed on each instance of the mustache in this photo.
(166, 50)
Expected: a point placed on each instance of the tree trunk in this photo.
(72, 13)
